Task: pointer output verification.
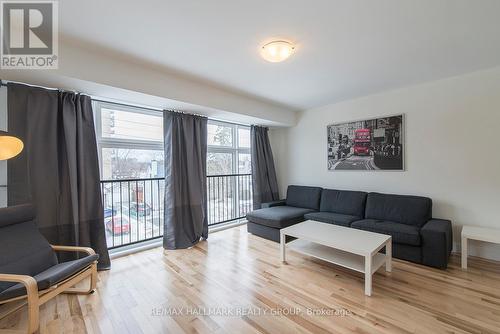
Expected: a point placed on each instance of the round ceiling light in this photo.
(277, 51)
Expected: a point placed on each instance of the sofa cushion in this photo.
(51, 276)
(303, 197)
(409, 210)
(343, 201)
(278, 216)
(332, 218)
(400, 233)
(273, 203)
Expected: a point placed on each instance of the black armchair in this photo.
(29, 270)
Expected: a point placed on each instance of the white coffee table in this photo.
(477, 233)
(348, 247)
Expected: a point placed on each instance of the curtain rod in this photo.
(93, 99)
(39, 86)
(121, 103)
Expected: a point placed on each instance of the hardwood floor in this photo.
(153, 292)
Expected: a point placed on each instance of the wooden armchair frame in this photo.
(34, 298)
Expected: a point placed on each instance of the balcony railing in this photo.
(229, 197)
(134, 208)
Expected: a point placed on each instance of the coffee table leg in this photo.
(388, 256)
(368, 275)
(282, 247)
(464, 252)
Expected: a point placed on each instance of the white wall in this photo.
(452, 149)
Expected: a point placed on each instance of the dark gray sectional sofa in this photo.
(416, 236)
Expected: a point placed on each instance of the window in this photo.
(130, 144)
(220, 135)
(130, 141)
(132, 163)
(126, 163)
(244, 163)
(133, 124)
(243, 137)
(228, 149)
(219, 163)
(229, 185)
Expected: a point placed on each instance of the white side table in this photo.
(477, 233)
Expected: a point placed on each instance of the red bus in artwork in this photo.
(362, 141)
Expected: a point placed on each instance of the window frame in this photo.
(121, 143)
(124, 143)
(235, 149)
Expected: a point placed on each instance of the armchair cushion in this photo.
(17, 214)
(23, 250)
(51, 276)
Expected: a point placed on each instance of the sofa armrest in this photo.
(437, 242)
(281, 202)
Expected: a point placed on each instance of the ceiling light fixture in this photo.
(277, 51)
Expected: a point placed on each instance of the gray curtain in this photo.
(264, 181)
(58, 170)
(185, 180)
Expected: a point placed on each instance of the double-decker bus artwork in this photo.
(362, 142)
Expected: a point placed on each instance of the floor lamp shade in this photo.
(10, 146)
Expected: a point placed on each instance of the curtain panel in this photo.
(185, 211)
(58, 170)
(264, 181)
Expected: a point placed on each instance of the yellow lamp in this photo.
(10, 146)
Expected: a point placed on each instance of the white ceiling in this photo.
(345, 48)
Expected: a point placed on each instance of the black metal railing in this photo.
(229, 197)
(134, 208)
